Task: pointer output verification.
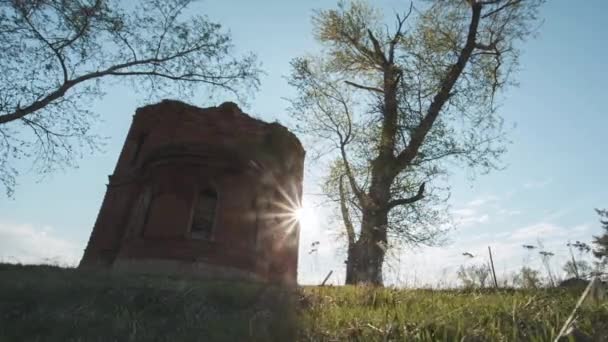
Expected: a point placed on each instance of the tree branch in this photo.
(374, 89)
(351, 178)
(48, 44)
(419, 134)
(402, 201)
(348, 224)
(510, 3)
(487, 47)
(345, 139)
(379, 54)
(398, 34)
(364, 51)
(113, 70)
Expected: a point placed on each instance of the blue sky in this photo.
(556, 170)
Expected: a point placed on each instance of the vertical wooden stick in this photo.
(493, 271)
(327, 277)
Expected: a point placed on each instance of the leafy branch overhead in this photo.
(54, 55)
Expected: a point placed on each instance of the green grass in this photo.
(44, 303)
(368, 314)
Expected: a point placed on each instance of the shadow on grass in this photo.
(46, 303)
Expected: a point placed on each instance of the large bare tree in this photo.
(55, 53)
(395, 105)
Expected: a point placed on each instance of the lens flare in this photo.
(300, 214)
(289, 213)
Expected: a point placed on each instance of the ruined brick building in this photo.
(202, 191)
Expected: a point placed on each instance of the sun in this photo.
(305, 216)
(295, 214)
(300, 214)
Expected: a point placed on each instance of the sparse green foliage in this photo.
(398, 103)
(474, 276)
(527, 278)
(577, 269)
(574, 268)
(601, 242)
(54, 55)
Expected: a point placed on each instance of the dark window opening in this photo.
(204, 215)
(147, 199)
(140, 143)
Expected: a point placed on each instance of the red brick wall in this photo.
(172, 152)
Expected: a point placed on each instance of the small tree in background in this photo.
(601, 242)
(579, 269)
(474, 276)
(55, 53)
(545, 257)
(527, 278)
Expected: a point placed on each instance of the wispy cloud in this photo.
(556, 214)
(474, 211)
(538, 183)
(538, 231)
(482, 201)
(468, 216)
(27, 244)
(508, 212)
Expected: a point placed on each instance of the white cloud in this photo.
(476, 211)
(538, 231)
(582, 228)
(468, 216)
(24, 243)
(482, 201)
(556, 214)
(507, 212)
(538, 183)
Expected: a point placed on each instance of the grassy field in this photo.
(45, 303)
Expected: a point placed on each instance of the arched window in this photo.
(203, 218)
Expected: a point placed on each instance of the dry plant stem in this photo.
(493, 270)
(578, 304)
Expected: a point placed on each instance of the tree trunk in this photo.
(366, 255)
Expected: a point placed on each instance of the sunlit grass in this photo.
(372, 314)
